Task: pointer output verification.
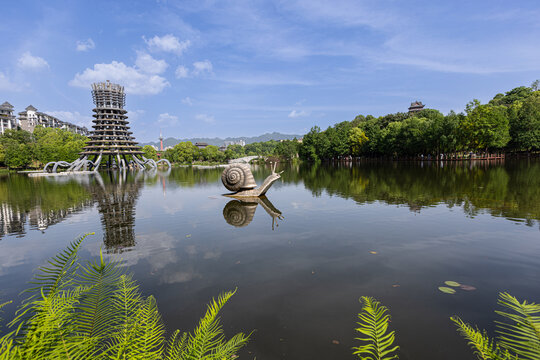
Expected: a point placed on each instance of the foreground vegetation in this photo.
(96, 311)
(519, 335)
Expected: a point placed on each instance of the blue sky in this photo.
(243, 68)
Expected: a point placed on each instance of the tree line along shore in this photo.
(508, 124)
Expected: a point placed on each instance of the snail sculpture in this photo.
(238, 178)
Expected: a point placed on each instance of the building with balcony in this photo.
(31, 117)
(7, 119)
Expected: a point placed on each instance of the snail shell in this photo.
(238, 213)
(238, 177)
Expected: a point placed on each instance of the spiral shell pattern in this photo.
(238, 177)
(239, 214)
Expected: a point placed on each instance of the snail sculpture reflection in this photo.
(240, 212)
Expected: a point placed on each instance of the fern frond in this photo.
(96, 317)
(229, 349)
(522, 335)
(483, 347)
(127, 300)
(2, 305)
(208, 339)
(208, 333)
(59, 273)
(50, 332)
(373, 326)
(176, 346)
(149, 332)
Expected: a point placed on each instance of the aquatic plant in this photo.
(97, 311)
(519, 338)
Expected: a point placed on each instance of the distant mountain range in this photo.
(220, 142)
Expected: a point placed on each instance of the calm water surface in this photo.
(302, 257)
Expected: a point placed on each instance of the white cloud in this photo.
(166, 119)
(73, 117)
(85, 45)
(167, 43)
(200, 67)
(135, 115)
(295, 114)
(205, 118)
(6, 84)
(146, 63)
(187, 100)
(181, 72)
(28, 61)
(133, 79)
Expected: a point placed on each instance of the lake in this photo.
(301, 257)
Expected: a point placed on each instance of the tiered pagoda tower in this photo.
(111, 135)
(111, 138)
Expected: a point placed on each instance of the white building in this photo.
(7, 119)
(239, 142)
(30, 118)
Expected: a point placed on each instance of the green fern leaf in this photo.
(96, 317)
(483, 347)
(176, 346)
(374, 330)
(59, 273)
(522, 335)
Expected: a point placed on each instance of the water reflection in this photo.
(36, 205)
(27, 203)
(240, 212)
(510, 190)
(116, 198)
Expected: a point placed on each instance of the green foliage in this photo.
(522, 334)
(150, 152)
(287, 149)
(96, 311)
(486, 127)
(21, 149)
(373, 327)
(510, 121)
(518, 338)
(357, 139)
(525, 123)
(483, 347)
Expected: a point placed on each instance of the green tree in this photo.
(17, 155)
(150, 152)
(525, 123)
(510, 97)
(357, 140)
(287, 149)
(486, 126)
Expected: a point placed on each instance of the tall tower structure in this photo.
(111, 137)
(161, 140)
